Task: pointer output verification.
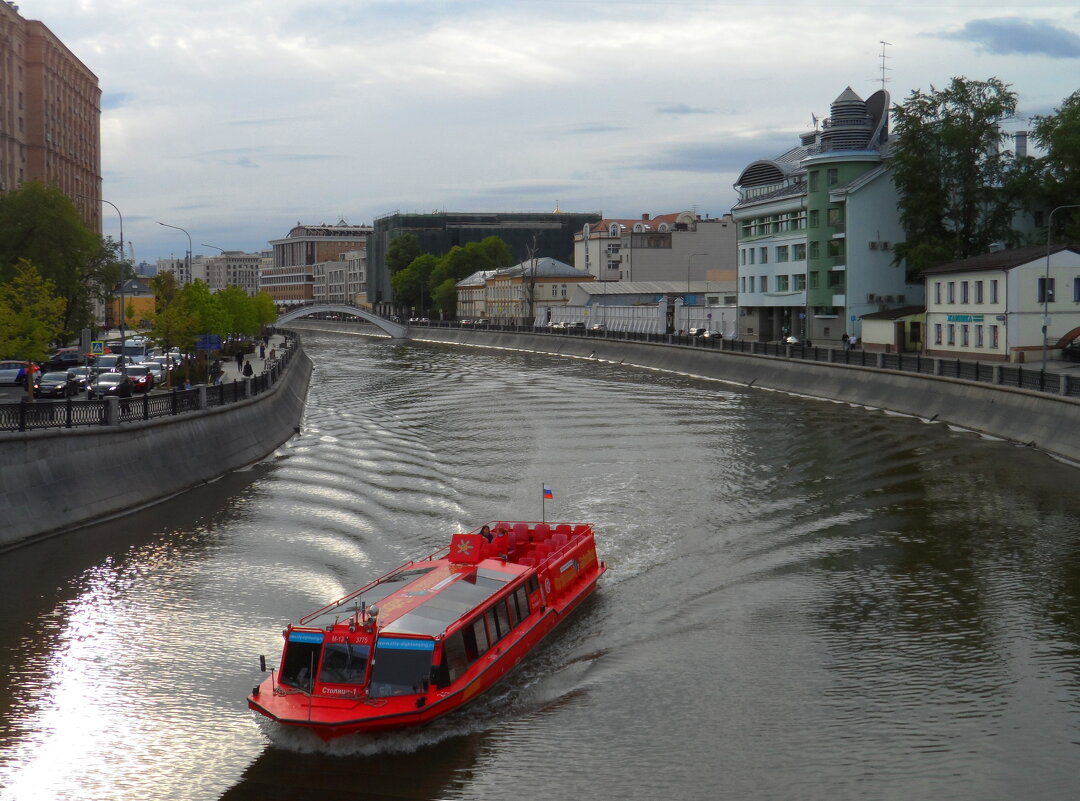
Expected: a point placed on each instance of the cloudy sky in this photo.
(235, 119)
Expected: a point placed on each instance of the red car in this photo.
(142, 379)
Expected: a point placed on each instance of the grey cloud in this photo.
(718, 156)
(1007, 35)
(111, 100)
(682, 108)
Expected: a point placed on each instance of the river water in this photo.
(804, 599)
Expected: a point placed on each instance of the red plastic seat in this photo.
(559, 539)
(540, 532)
(563, 528)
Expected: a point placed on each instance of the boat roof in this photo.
(425, 598)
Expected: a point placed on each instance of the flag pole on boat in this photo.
(545, 496)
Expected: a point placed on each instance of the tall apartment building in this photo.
(342, 280)
(816, 229)
(234, 268)
(50, 113)
(665, 247)
(290, 279)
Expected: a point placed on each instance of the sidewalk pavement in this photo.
(233, 372)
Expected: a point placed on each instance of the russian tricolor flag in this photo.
(548, 496)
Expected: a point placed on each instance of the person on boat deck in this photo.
(485, 532)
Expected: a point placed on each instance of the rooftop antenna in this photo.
(884, 69)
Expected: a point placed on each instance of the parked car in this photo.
(697, 332)
(579, 325)
(65, 358)
(558, 325)
(56, 384)
(142, 380)
(13, 372)
(713, 335)
(599, 327)
(105, 384)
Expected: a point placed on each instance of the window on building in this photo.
(836, 250)
(994, 337)
(964, 342)
(782, 283)
(937, 333)
(742, 257)
(964, 297)
(814, 279)
(836, 216)
(978, 336)
(952, 291)
(750, 255)
(1045, 290)
(815, 217)
(764, 283)
(813, 182)
(978, 291)
(993, 291)
(781, 253)
(815, 249)
(742, 284)
(1076, 288)
(937, 292)
(764, 252)
(952, 334)
(798, 252)
(799, 282)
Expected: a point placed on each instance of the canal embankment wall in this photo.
(1042, 420)
(54, 480)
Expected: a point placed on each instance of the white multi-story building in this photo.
(233, 268)
(342, 280)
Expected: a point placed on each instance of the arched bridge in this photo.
(396, 330)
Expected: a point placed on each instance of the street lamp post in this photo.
(187, 261)
(686, 302)
(123, 269)
(1046, 280)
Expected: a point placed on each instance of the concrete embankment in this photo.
(1048, 422)
(58, 479)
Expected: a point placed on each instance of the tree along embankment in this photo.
(1048, 422)
(55, 480)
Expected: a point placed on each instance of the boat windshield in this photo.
(344, 663)
(401, 666)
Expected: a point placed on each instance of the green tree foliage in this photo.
(265, 308)
(1059, 135)
(411, 287)
(42, 225)
(444, 297)
(30, 314)
(401, 252)
(956, 183)
(240, 308)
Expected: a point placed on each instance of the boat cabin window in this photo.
(344, 663)
(520, 601)
(455, 656)
(480, 637)
(401, 666)
(301, 660)
(532, 584)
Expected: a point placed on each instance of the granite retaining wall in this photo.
(59, 479)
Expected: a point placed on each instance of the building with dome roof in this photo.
(816, 229)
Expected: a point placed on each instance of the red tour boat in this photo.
(432, 635)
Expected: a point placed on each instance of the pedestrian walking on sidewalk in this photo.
(262, 351)
(248, 372)
(239, 360)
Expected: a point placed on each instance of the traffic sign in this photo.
(97, 347)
